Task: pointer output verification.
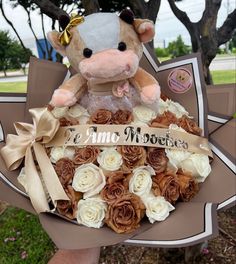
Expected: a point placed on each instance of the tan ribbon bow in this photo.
(65, 36)
(20, 146)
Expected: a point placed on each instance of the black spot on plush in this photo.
(127, 15)
(63, 21)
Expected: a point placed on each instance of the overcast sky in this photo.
(167, 26)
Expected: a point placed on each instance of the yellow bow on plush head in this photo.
(65, 36)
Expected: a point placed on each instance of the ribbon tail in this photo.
(49, 175)
(35, 187)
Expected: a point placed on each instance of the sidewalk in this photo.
(12, 74)
(14, 78)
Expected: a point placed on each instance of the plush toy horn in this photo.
(64, 21)
(127, 15)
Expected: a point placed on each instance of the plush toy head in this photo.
(104, 47)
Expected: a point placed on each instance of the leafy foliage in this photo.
(12, 55)
(161, 52)
(232, 43)
(178, 48)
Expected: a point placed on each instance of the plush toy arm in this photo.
(68, 93)
(147, 85)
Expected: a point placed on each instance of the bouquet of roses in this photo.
(118, 185)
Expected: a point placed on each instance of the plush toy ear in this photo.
(127, 15)
(53, 37)
(145, 29)
(64, 21)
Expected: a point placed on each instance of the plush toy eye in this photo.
(87, 53)
(122, 46)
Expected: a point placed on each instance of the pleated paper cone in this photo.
(191, 222)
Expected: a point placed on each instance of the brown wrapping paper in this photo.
(222, 104)
(190, 223)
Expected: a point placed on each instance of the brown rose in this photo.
(168, 186)
(157, 159)
(65, 170)
(164, 97)
(133, 156)
(84, 155)
(189, 125)
(188, 186)
(122, 117)
(125, 214)
(101, 116)
(111, 192)
(68, 121)
(69, 208)
(164, 120)
(115, 176)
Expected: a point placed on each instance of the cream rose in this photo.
(157, 208)
(76, 111)
(176, 157)
(110, 159)
(177, 128)
(59, 112)
(137, 122)
(61, 152)
(163, 106)
(69, 152)
(88, 179)
(198, 165)
(176, 109)
(141, 181)
(91, 212)
(56, 154)
(143, 114)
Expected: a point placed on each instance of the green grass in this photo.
(13, 87)
(30, 239)
(221, 77)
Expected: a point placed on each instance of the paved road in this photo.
(14, 79)
(223, 63)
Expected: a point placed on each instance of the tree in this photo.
(232, 43)
(178, 48)
(19, 56)
(12, 55)
(205, 36)
(11, 24)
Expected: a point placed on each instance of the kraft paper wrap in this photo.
(189, 224)
(31, 137)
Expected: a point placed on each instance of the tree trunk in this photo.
(32, 30)
(50, 9)
(91, 6)
(5, 72)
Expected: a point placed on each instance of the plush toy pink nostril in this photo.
(87, 75)
(127, 68)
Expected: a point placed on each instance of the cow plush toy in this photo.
(105, 49)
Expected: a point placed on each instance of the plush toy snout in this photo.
(109, 65)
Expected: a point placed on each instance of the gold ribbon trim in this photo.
(114, 135)
(20, 146)
(65, 36)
